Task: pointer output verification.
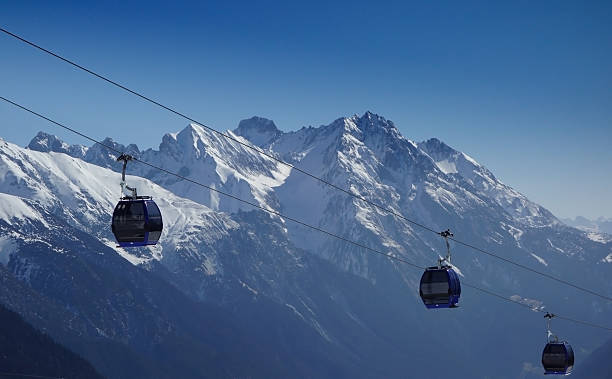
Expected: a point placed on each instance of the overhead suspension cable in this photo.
(293, 167)
(274, 212)
(20, 375)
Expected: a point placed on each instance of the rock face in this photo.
(277, 298)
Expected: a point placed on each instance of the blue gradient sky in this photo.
(523, 87)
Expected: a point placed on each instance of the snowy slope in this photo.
(206, 253)
(52, 247)
(85, 195)
(457, 164)
(428, 182)
(599, 230)
(369, 156)
(45, 142)
(200, 154)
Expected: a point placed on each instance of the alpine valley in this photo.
(233, 291)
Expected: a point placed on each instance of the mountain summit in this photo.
(260, 131)
(47, 142)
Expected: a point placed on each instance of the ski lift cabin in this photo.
(440, 287)
(137, 222)
(558, 358)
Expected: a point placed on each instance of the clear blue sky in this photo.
(524, 87)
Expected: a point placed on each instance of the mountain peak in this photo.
(101, 156)
(439, 150)
(191, 132)
(434, 145)
(369, 115)
(258, 130)
(194, 128)
(372, 121)
(45, 143)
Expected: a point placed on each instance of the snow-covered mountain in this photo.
(46, 142)
(135, 308)
(215, 249)
(599, 225)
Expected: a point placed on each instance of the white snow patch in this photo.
(7, 248)
(529, 367)
(321, 331)
(554, 247)
(101, 332)
(516, 233)
(253, 291)
(131, 258)
(470, 159)
(125, 254)
(13, 207)
(447, 167)
(295, 311)
(307, 307)
(209, 265)
(607, 259)
(539, 259)
(535, 305)
(599, 237)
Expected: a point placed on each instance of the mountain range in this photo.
(232, 291)
(599, 225)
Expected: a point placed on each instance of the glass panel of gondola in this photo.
(129, 221)
(555, 358)
(155, 223)
(570, 357)
(457, 284)
(155, 217)
(435, 287)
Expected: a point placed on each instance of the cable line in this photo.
(535, 309)
(293, 167)
(563, 281)
(30, 375)
(274, 212)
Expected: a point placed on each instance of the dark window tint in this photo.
(438, 276)
(435, 287)
(554, 357)
(136, 211)
(557, 349)
(155, 219)
(129, 221)
(570, 356)
(153, 209)
(128, 212)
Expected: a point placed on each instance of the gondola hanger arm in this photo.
(125, 158)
